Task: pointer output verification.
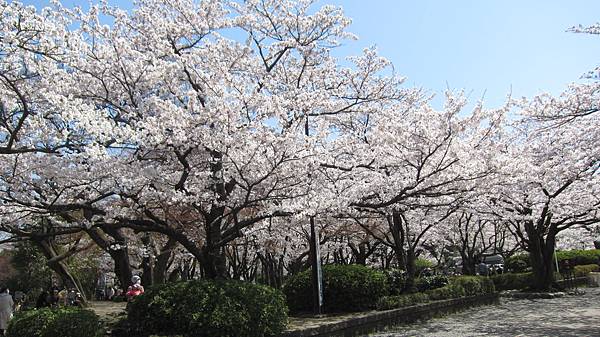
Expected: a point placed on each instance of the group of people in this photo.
(489, 269)
(56, 297)
(109, 293)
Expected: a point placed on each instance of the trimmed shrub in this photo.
(460, 286)
(346, 288)
(209, 308)
(431, 282)
(474, 285)
(447, 292)
(400, 301)
(396, 280)
(46, 322)
(579, 257)
(520, 263)
(509, 281)
(517, 263)
(585, 269)
(487, 285)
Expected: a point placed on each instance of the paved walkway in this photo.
(570, 316)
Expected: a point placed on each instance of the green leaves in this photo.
(345, 288)
(64, 322)
(209, 308)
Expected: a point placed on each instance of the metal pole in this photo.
(317, 278)
(556, 259)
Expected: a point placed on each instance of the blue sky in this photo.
(492, 47)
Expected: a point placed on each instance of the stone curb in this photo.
(379, 320)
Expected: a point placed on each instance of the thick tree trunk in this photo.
(411, 269)
(468, 264)
(541, 252)
(360, 253)
(213, 259)
(162, 261)
(119, 255)
(213, 264)
(397, 231)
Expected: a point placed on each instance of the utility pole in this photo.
(317, 275)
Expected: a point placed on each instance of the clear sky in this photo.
(483, 46)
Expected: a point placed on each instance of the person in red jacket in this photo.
(135, 289)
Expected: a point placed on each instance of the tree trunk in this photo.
(213, 260)
(468, 264)
(147, 261)
(397, 231)
(411, 270)
(541, 252)
(56, 263)
(119, 255)
(162, 261)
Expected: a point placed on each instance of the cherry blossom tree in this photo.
(411, 166)
(160, 123)
(550, 182)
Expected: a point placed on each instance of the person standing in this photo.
(62, 297)
(135, 289)
(6, 309)
(110, 293)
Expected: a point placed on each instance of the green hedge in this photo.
(509, 281)
(431, 282)
(579, 257)
(63, 322)
(346, 288)
(474, 285)
(447, 292)
(399, 301)
(396, 280)
(517, 263)
(520, 263)
(209, 308)
(585, 269)
(460, 286)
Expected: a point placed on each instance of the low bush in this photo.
(520, 263)
(421, 265)
(400, 301)
(396, 280)
(517, 263)
(474, 285)
(457, 287)
(585, 269)
(579, 257)
(209, 308)
(447, 292)
(346, 288)
(63, 322)
(431, 282)
(509, 281)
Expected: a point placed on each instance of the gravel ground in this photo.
(570, 316)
